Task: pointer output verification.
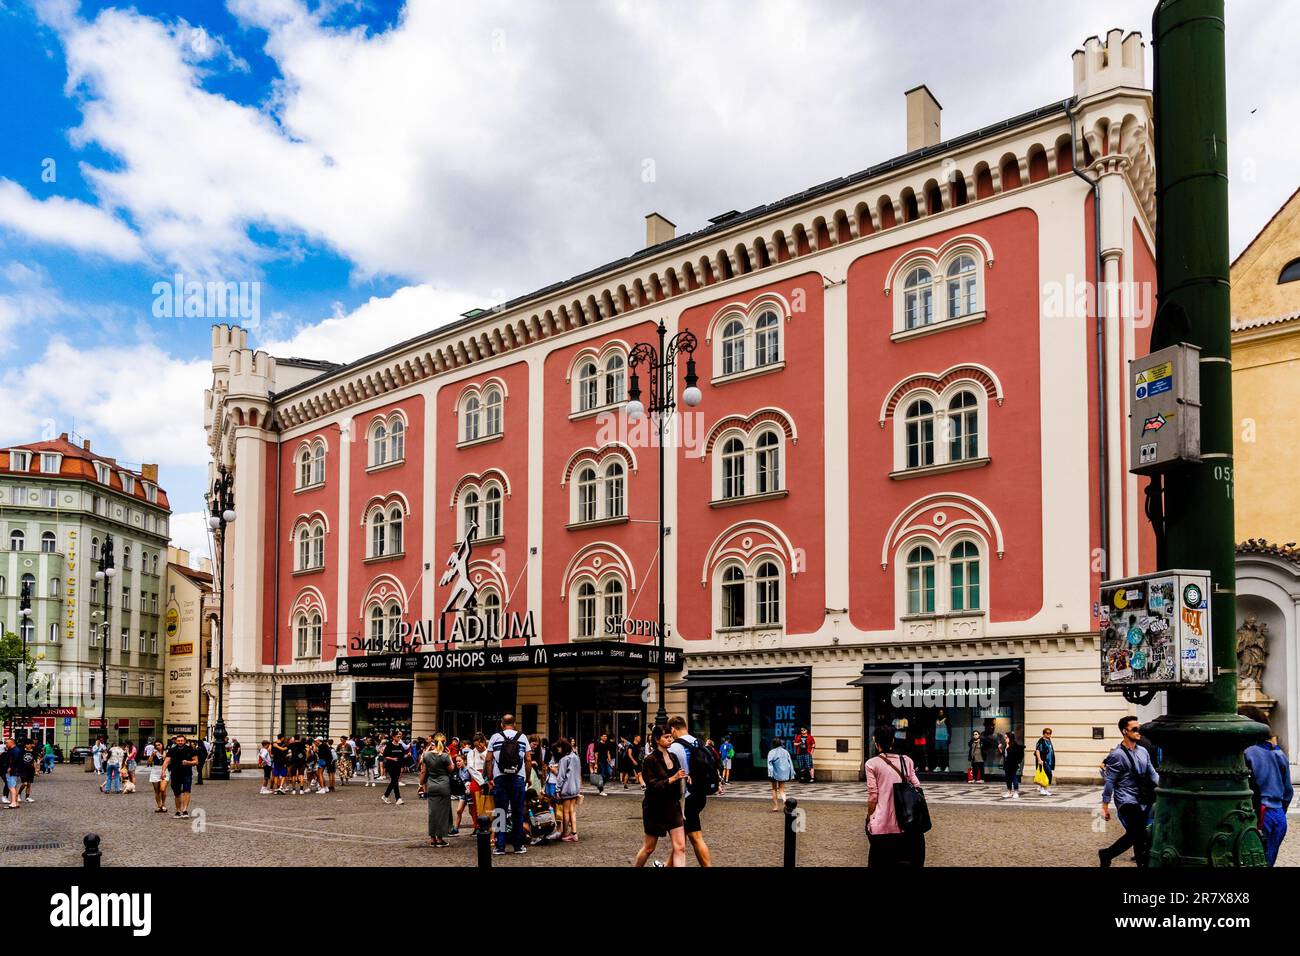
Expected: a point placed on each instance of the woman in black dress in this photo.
(661, 810)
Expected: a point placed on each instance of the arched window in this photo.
(733, 597)
(492, 512)
(155, 564)
(304, 468)
(587, 494)
(920, 434)
(318, 465)
(302, 637)
(767, 463)
(733, 347)
(963, 286)
(126, 557)
(47, 542)
(588, 387)
(492, 411)
(614, 498)
(1290, 272)
(397, 441)
(394, 619)
(27, 629)
(317, 635)
(918, 298)
(920, 580)
(963, 427)
(733, 468)
(586, 609)
(318, 546)
(614, 598)
(379, 444)
(4, 585)
(376, 623)
(395, 531)
(28, 582)
(614, 379)
(304, 548)
(16, 540)
(767, 594)
(491, 605)
(964, 575)
(52, 634)
(473, 418)
(767, 339)
(470, 512)
(378, 533)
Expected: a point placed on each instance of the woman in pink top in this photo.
(889, 845)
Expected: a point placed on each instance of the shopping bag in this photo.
(1040, 777)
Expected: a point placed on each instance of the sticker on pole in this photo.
(1154, 381)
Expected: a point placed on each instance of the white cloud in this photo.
(190, 533)
(67, 222)
(137, 399)
(376, 324)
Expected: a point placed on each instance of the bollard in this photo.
(790, 836)
(484, 840)
(90, 856)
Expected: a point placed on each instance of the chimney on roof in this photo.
(658, 229)
(85, 444)
(63, 436)
(922, 118)
(149, 473)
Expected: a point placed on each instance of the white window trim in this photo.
(600, 466)
(942, 451)
(748, 318)
(599, 583)
(749, 438)
(942, 576)
(938, 285)
(599, 356)
(750, 570)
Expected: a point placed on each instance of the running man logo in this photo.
(1192, 619)
(73, 910)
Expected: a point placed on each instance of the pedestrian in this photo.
(780, 770)
(436, 770)
(113, 769)
(97, 755)
(1045, 761)
(27, 771)
(48, 761)
(661, 811)
(343, 758)
(325, 766)
(1131, 778)
(976, 754)
(181, 760)
(394, 755)
(10, 764)
(369, 756)
(264, 761)
(200, 749)
(235, 751)
(476, 760)
(1270, 784)
(702, 779)
(279, 764)
(568, 789)
(157, 779)
(606, 754)
(1013, 762)
(728, 751)
(804, 745)
(593, 769)
(508, 764)
(890, 846)
(462, 793)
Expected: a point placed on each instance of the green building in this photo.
(59, 503)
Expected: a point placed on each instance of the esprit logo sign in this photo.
(77, 910)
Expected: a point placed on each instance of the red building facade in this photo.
(894, 482)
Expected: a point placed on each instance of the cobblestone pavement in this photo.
(233, 825)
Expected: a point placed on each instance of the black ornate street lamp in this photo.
(105, 574)
(661, 363)
(24, 622)
(222, 504)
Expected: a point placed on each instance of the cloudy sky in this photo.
(378, 168)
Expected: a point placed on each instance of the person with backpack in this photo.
(895, 841)
(728, 751)
(508, 764)
(1131, 778)
(703, 780)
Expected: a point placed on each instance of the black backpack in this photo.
(508, 760)
(705, 776)
(1145, 788)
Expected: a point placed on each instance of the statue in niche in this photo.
(1252, 652)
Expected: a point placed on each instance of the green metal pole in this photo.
(1203, 814)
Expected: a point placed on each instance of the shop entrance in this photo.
(305, 710)
(587, 704)
(752, 708)
(474, 705)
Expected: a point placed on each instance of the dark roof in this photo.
(724, 225)
(321, 364)
(1286, 551)
(201, 577)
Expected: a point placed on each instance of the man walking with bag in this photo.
(1132, 780)
(509, 763)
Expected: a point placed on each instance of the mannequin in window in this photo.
(941, 742)
(900, 734)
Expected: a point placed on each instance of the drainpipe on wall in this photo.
(275, 590)
(1103, 482)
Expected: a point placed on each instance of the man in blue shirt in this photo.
(1131, 779)
(1270, 776)
(508, 764)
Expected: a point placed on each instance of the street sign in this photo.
(1165, 409)
(1155, 630)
